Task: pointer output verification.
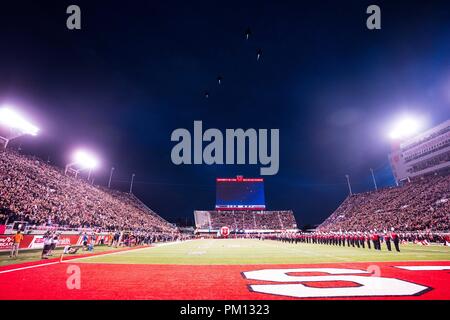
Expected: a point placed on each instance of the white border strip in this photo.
(105, 254)
(93, 256)
(29, 267)
(423, 268)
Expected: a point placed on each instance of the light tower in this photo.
(401, 130)
(404, 128)
(82, 160)
(14, 125)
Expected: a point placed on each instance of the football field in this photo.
(237, 270)
(252, 251)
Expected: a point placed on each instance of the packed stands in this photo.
(245, 220)
(34, 191)
(420, 205)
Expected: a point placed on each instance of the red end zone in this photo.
(387, 280)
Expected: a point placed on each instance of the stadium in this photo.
(93, 207)
(239, 243)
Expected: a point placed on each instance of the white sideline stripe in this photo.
(29, 267)
(123, 251)
(423, 268)
(105, 254)
(70, 260)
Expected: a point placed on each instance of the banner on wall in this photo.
(37, 241)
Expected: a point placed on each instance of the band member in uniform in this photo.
(395, 239)
(356, 239)
(368, 239)
(376, 240)
(361, 239)
(387, 239)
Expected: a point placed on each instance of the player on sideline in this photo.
(47, 245)
(17, 239)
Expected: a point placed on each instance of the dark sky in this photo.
(232, 194)
(138, 69)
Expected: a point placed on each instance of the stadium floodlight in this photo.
(85, 160)
(17, 125)
(82, 160)
(405, 128)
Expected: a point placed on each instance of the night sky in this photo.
(137, 70)
(240, 193)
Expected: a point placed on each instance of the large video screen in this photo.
(240, 194)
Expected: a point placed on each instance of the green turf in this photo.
(233, 251)
(33, 255)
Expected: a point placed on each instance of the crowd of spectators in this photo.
(420, 205)
(31, 190)
(249, 220)
(425, 237)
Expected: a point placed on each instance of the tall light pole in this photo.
(348, 183)
(131, 185)
(373, 178)
(110, 177)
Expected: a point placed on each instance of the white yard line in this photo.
(171, 243)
